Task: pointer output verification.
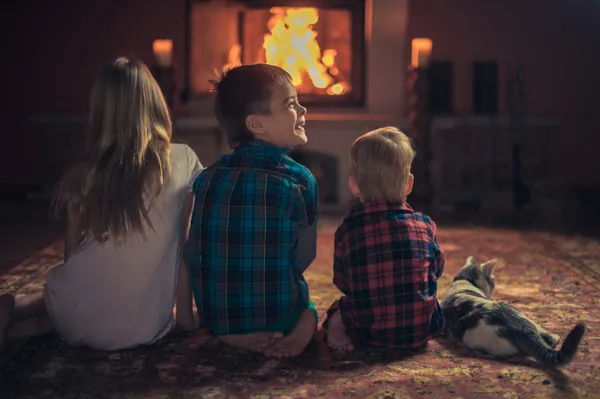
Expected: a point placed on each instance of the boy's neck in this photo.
(256, 146)
(362, 200)
(254, 141)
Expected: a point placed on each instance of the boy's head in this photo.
(380, 164)
(259, 102)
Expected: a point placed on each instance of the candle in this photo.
(421, 52)
(163, 52)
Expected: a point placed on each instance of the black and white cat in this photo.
(481, 323)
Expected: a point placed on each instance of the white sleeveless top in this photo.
(108, 297)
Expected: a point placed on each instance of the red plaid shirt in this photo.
(387, 263)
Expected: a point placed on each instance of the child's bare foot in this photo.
(255, 342)
(295, 342)
(7, 303)
(337, 338)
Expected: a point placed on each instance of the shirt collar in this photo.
(260, 147)
(379, 205)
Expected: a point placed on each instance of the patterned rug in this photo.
(553, 279)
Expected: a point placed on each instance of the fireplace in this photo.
(379, 49)
(320, 43)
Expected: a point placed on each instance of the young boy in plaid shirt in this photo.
(387, 260)
(253, 229)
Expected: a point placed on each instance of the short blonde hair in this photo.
(380, 163)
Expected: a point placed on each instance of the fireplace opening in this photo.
(320, 43)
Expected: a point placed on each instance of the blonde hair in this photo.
(109, 192)
(380, 163)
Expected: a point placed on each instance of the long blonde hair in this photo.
(108, 194)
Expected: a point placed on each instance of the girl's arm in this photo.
(183, 299)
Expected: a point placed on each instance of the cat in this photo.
(497, 328)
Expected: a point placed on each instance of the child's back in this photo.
(124, 205)
(253, 231)
(110, 296)
(387, 260)
(250, 204)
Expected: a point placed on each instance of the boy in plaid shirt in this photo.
(253, 229)
(387, 260)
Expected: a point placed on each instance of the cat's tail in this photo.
(539, 350)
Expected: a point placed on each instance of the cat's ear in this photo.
(489, 266)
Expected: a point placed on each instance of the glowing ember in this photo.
(336, 89)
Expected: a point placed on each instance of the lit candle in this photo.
(163, 52)
(421, 52)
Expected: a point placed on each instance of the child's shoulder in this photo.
(180, 150)
(296, 170)
(202, 176)
(182, 154)
(423, 217)
(421, 223)
(290, 173)
(404, 218)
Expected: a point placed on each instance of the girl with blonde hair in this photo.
(128, 204)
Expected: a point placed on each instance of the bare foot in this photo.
(295, 342)
(7, 303)
(254, 342)
(337, 338)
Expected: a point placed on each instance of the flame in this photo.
(234, 57)
(291, 44)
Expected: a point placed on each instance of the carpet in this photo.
(553, 279)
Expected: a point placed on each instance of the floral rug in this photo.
(553, 279)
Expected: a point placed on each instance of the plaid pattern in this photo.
(255, 210)
(387, 262)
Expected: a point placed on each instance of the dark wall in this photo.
(555, 41)
(55, 50)
(52, 51)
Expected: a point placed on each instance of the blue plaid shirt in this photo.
(253, 234)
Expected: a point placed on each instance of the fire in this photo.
(234, 57)
(291, 44)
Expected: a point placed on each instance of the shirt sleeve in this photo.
(307, 246)
(192, 251)
(340, 275)
(309, 195)
(307, 219)
(195, 167)
(438, 255)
